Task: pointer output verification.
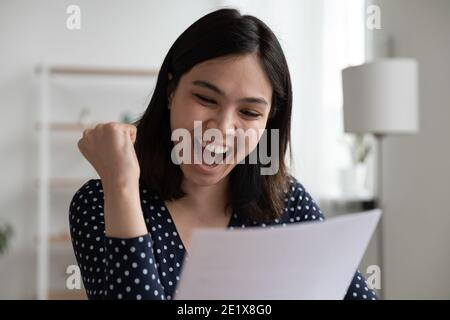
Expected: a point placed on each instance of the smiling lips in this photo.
(215, 148)
(218, 151)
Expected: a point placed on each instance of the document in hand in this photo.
(310, 260)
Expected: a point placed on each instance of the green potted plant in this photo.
(355, 178)
(360, 147)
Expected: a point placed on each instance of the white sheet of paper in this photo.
(310, 260)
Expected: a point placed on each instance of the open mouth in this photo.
(210, 154)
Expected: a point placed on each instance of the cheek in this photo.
(184, 113)
(258, 127)
(250, 142)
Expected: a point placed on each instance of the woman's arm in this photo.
(111, 243)
(109, 148)
(111, 267)
(123, 212)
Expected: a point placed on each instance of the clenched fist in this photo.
(109, 148)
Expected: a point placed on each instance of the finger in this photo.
(133, 133)
(86, 132)
(98, 126)
(80, 145)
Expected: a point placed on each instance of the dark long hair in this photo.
(220, 33)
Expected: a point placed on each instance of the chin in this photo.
(205, 175)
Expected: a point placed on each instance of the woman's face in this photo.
(230, 94)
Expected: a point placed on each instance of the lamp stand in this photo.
(380, 245)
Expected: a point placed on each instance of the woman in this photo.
(131, 229)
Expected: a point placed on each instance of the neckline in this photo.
(166, 212)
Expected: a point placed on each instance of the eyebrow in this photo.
(210, 86)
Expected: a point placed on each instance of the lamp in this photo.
(381, 98)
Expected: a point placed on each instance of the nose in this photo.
(225, 121)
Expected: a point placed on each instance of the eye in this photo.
(251, 114)
(204, 99)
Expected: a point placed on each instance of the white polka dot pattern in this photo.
(148, 267)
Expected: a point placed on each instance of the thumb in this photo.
(133, 133)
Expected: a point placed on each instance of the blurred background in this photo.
(66, 65)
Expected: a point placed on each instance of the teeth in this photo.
(211, 147)
(216, 148)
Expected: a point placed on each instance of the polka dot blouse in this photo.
(148, 267)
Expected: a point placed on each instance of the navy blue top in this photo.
(148, 267)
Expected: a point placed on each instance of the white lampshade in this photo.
(381, 97)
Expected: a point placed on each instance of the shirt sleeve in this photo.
(304, 208)
(111, 268)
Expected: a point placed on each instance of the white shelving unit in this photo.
(45, 183)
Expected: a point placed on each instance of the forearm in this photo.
(123, 212)
(120, 266)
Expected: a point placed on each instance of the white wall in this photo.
(416, 168)
(416, 176)
(113, 33)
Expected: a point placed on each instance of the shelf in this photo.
(61, 183)
(66, 126)
(99, 71)
(45, 72)
(347, 205)
(62, 238)
(79, 294)
(65, 183)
